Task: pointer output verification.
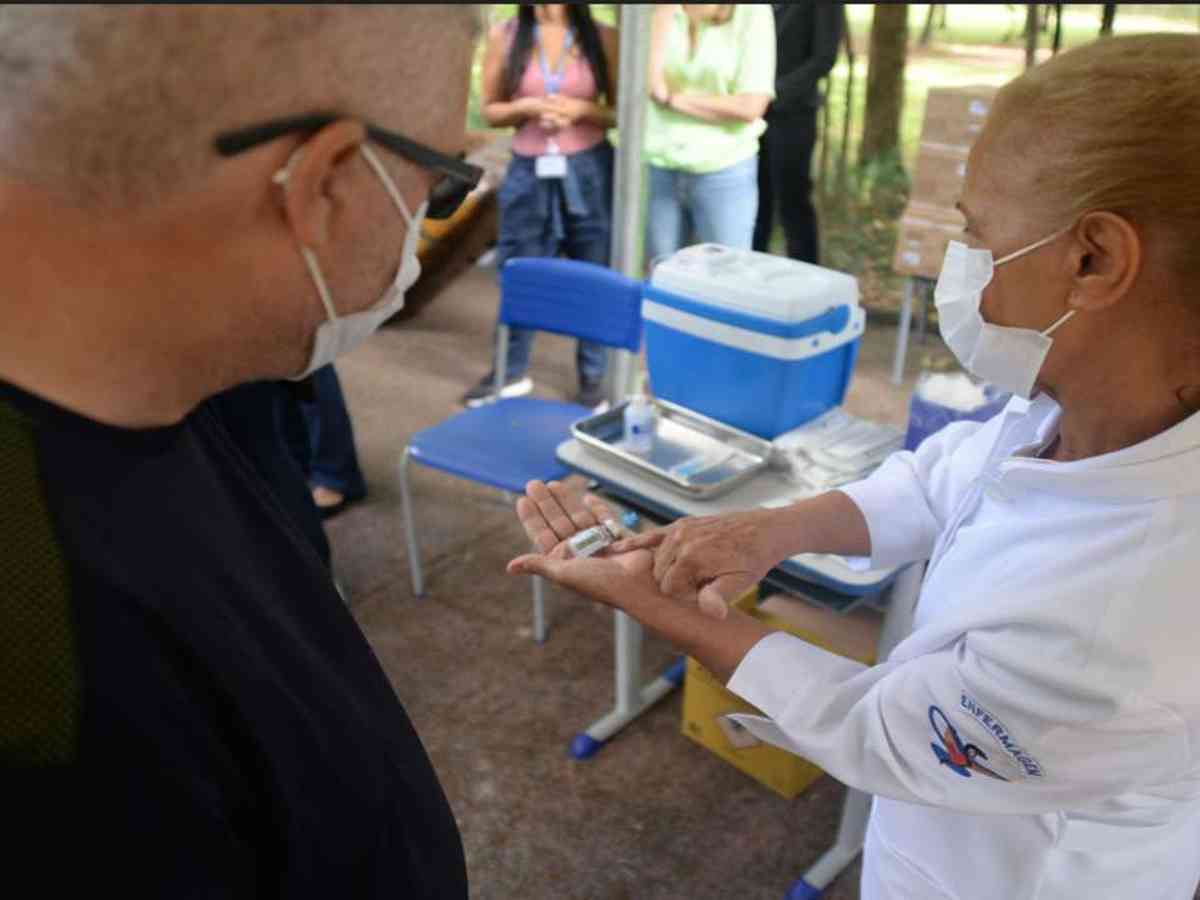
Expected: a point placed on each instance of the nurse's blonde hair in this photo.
(1116, 126)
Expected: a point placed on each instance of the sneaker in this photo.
(591, 394)
(484, 391)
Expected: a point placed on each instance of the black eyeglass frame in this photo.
(459, 177)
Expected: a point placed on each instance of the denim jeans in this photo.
(686, 208)
(322, 438)
(571, 216)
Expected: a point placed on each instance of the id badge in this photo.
(551, 165)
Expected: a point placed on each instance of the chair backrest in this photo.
(571, 297)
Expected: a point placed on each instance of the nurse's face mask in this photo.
(1010, 358)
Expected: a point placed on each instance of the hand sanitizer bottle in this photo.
(639, 421)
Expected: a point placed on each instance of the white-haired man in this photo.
(191, 198)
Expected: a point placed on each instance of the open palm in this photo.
(551, 514)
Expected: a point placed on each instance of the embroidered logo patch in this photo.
(1025, 762)
(954, 753)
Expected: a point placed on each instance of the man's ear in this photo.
(1105, 260)
(308, 179)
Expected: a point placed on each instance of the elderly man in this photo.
(190, 198)
(1038, 733)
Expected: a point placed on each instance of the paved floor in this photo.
(653, 815)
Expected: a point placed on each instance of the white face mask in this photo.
(340, 334)
(1010, 358)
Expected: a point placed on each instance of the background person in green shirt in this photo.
(712, 74)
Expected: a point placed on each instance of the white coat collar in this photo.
(1165, 465)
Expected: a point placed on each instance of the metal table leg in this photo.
(852, 831)
(922, 311)
(856, 809)
(633, 698)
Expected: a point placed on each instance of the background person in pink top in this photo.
(551, 72)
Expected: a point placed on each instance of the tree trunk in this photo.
(823, 164)
(843, 164)
(1107, 18)
(1031, 35)
(885, 81)
(942, 18)
(1057, 45)
(927, 31)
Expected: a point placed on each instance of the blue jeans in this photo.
(322, 438)
(718, 207)
(571, 216)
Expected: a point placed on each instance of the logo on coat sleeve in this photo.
(1023, 761)
(953, 752)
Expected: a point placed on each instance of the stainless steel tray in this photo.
(692, 454)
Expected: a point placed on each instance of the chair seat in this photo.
(503, 444)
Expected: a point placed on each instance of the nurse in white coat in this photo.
(1038, 733)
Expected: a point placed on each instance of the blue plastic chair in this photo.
(508, 442)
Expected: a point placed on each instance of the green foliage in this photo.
(859, 214)
(858, 226)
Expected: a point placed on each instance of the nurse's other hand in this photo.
(718, 557)
(620, 581)
(551, 514)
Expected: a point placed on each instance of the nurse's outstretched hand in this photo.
(551, 514)
(715, 558)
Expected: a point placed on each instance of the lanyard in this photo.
(553, 80)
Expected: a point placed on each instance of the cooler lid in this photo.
(761, 284)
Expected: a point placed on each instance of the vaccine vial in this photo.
(591, 541)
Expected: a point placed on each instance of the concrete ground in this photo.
(653, 815)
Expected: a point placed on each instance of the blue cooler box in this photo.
(756, 341)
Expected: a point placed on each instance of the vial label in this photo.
(590, 541)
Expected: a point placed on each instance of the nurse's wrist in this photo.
(718, 645)
(782, 533)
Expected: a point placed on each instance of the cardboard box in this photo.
(938, 176)
(854, 635)
(921, 239)
(706, 702)
(955, 116)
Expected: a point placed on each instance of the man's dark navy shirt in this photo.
(187, 708)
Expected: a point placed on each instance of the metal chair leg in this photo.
(410, 533)
(539, 609)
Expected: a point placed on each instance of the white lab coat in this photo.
(1056, 633)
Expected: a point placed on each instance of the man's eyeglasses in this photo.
(458, 177)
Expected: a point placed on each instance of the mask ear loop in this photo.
(388, 184)
(1030, 249)
(1035, 245)
(1042, 243)
(280, 178)
(1061, 319)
